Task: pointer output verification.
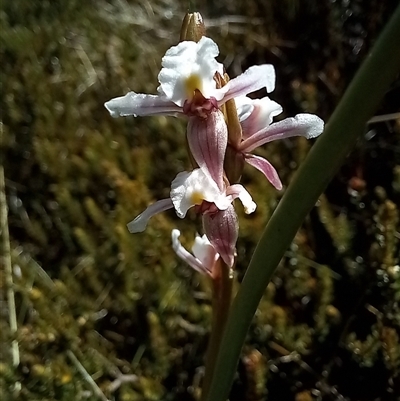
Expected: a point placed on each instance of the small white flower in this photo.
(188, 69)
(191, 189)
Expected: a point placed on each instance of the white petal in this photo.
(222, 201)
(307, 125)
(139, 104)
(192, 188)
(179, 194)
(204, 251)
(186, 256)
(140, 223)
(253, 79)
(189, 66)
(264, 110)
(244, 107)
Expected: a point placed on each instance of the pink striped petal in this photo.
(140, 223)
(222, 230)
(139, 104)
(253, 79)
(307, 125)
(207, 138)
(266, 168)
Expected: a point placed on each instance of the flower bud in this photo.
(193, 27)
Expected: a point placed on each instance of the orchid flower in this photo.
(255, 116)
(188, 70)
(204, 255)
(188, 86)
(196, 189)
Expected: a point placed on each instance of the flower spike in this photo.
(192, 83)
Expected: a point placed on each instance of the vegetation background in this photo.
(103, 314)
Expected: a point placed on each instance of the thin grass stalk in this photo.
(6, 262)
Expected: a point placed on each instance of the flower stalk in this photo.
(222, 283)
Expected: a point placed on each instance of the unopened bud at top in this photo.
(193, 27)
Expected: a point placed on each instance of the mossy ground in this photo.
(90, 297)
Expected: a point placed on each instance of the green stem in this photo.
(221, 302)
(345, 127)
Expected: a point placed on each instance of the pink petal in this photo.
(207, 138)
(253, 79)
(307, 125)
(266, 168)
(222, 230)
(140, 223)
(139, 104)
